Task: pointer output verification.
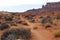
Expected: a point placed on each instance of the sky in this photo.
(22, 5)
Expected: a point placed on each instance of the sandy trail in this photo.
(39, 34)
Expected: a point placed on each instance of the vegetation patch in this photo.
(12, 23)
(47, 25)
(58, 17)
(14, 34)
(19, 21)
(35, 27)
(57, 33)
(3, 26)
(48, 19)
(24, 23)
(47, 22)
(8, 18)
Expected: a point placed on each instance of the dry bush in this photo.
(1, 15)
(12, 23)
(8, 18)
(18, 21)
(57, 33)
(47, 22)
(24, 33)
(47, 25)
(58, 17)
(24, 23)
(3, 26)
(15, 34)
(40, 17)
(35, 27)
(48, 19)
(30, 18)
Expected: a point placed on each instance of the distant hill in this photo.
(50, 6)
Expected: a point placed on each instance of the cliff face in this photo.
(50, 6)
(53, 5)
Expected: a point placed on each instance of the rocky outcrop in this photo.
(50, 6)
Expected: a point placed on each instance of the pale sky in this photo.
(22, 5)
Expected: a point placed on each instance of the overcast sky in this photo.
(22, 5)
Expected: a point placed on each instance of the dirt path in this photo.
(39, 34)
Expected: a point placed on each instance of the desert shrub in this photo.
(35, 27)
(28, 17)
(58, 17)
(55, 24)
(53, 13)
(12, 23)
(57, 33)
(8, 18)
(9, 35)
(13, 13)
(1, 15)
(48, 19)
(24, 33)
(32, 15)
(18, 21)
(31, 20)
(24, 23)
(3, 26)
(40, 17)
(0, 22)
(14, 34)
(47, 25)
(29, 29)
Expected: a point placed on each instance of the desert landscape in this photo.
(33, 24)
